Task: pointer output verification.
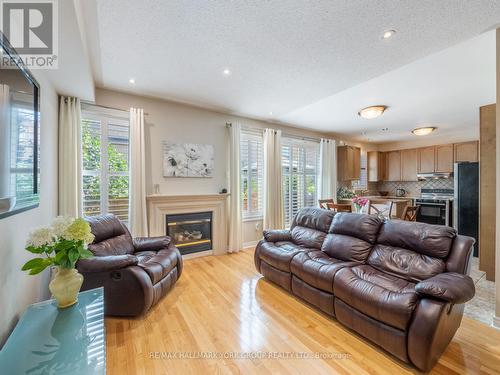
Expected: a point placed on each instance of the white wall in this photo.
(17, 288)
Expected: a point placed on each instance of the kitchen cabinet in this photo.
(466, 151)
(393, 166)
(409, 165)
(444, 158)
(348, 163)
(376, 166)
(426, 159)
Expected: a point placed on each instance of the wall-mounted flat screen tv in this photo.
(19, 134)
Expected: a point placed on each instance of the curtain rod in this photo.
(107, 107)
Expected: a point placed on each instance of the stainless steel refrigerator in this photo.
(466, 201)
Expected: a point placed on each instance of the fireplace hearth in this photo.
(191, 232)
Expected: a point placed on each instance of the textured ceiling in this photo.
(284, 54)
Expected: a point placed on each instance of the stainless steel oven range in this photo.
(436, 206)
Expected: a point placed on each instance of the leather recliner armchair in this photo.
(135, 273)
(402, 285)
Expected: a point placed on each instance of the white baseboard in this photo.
(496, 322)
(198, 255)
(250, 244)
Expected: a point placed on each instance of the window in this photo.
(252, 173)
(105, 164)
(300, 160)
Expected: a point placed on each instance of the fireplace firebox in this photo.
(191, 232)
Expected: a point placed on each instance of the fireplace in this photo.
(191, 232)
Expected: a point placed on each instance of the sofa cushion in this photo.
(279, 254)
(308, 237)
(431, 240)
(314, 218)
(364, 227)
(381, 296)
(317, 269)
(157, 264)
(404, 263)
(346, 248)
(111, 236)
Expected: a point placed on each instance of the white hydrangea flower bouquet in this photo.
(62, 244)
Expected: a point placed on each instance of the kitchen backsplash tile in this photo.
(413, 188)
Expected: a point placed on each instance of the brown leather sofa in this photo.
(402, 285)
(135, 273)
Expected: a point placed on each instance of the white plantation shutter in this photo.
(252, 168)
(300, 161)
(105, 164)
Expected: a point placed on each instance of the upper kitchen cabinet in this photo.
(444, 158)
(393, 166)
(348, 163)
(376, 166)
(409, 165)
(466, 151)
(426, 159)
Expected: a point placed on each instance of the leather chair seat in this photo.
(280, 254)
(157, 264)
(317, 268)
(381, 296)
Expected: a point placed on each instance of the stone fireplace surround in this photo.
(161, 205)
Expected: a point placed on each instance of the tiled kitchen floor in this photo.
(482, 306)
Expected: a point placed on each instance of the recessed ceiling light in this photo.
(388, 34)
(372, 112)
(270, 113)
(227, 72)
(131, 81)
(424, 131)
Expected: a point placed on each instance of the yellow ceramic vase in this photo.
(65, 286)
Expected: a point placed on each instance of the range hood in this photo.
(434, 176)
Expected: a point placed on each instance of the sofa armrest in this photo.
(151, 243)
(107, 263)
(277, 235)
(449, 286)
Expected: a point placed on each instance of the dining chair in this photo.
(323, 203)
(380, 207)
(339, 207)
(410, 213)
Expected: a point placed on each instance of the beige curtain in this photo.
(273, 199)
(138, 220)
(235, 241)
(70, 157)
(328, 169)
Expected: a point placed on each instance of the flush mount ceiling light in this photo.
(227, 72)
(131, 81)
(372, 112)
(424, 131)
(388, 34)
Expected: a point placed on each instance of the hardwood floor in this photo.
(221, 305)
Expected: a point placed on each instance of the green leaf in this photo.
(59, 256)
(36, 262)
(84, 254)
(37, 265)
(35, 250)
(73, 255)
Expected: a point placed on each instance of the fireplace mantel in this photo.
(161, 205)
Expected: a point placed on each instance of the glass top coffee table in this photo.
(48, 340)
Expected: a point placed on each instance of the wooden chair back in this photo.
(323, 203)
(410, 213)
(380, 207)
(339, 207)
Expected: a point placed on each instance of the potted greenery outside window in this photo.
(61, 245)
